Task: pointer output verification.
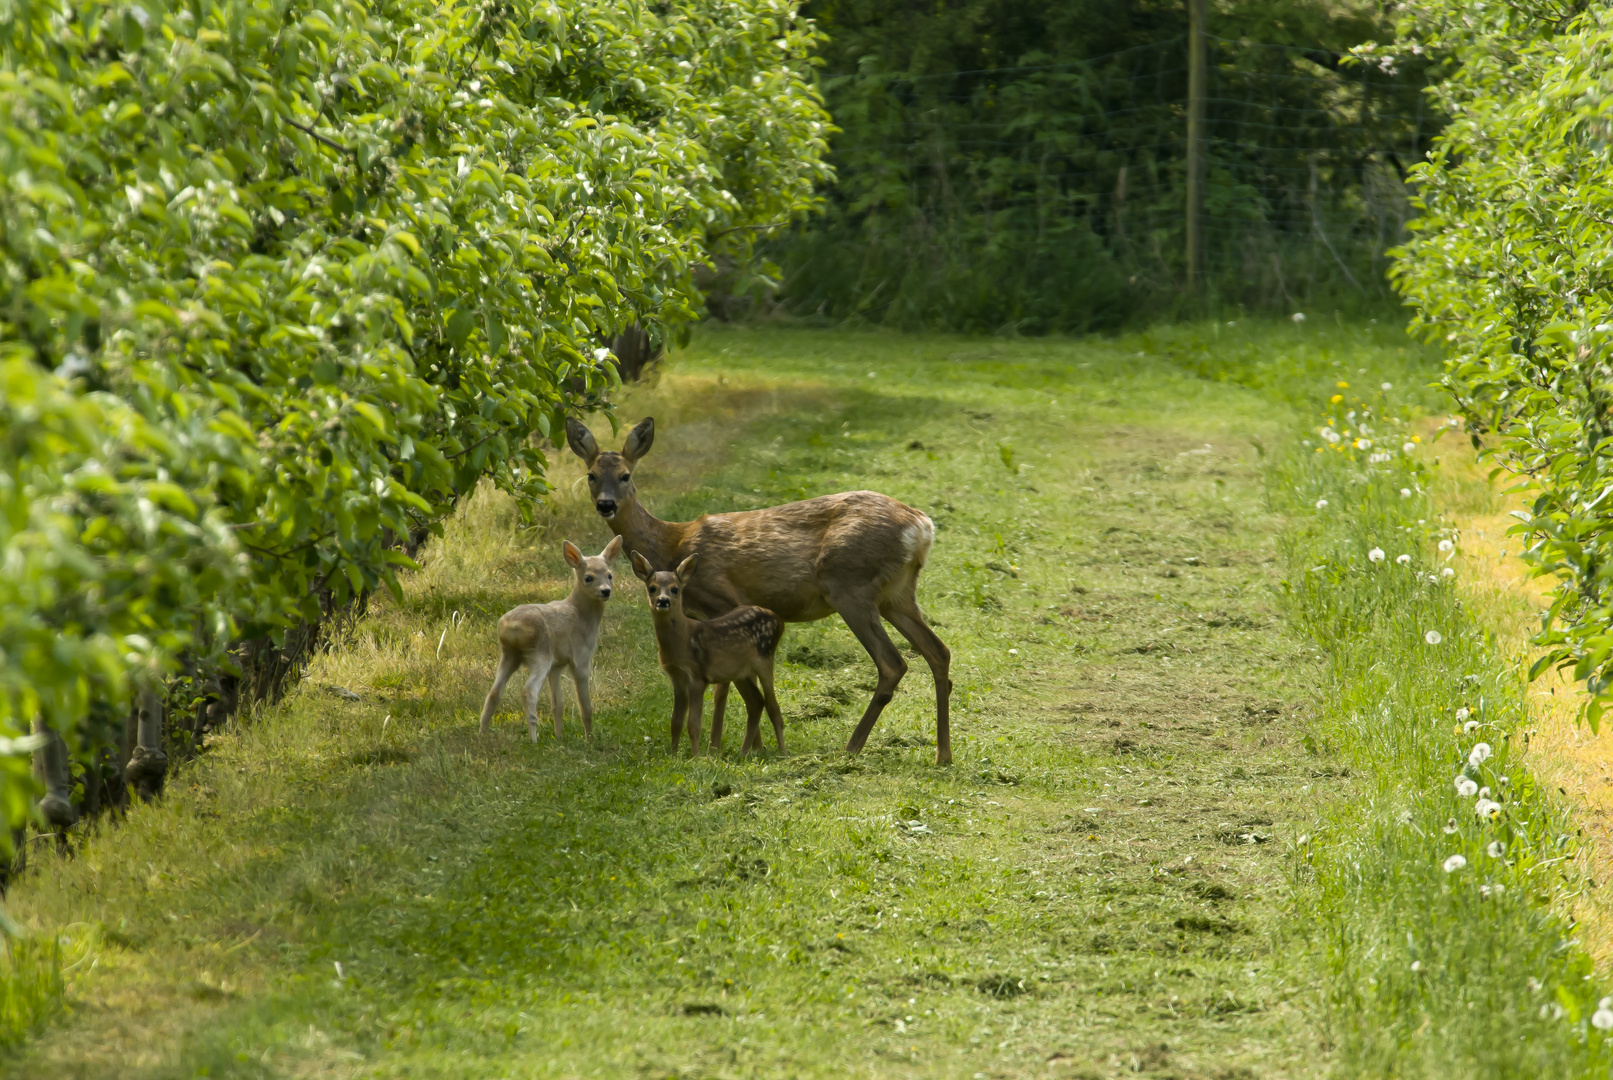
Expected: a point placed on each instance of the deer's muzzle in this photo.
(606, 508)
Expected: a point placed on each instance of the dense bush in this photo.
(1021, 165)
(280, 281)
(1507, 270)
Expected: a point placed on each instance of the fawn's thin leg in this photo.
(680, 709)
(753, 712)
(771, 701)
(507, 663)
(697, 702)
(906, 617)
(538, 665)
(585, 703)
(556, 701)
(719, 705)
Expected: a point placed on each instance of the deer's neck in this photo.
(588, 607)
(643, 532)
(672, 638)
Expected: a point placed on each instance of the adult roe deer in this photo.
(857, 553)
(551, 637)
(734, 648)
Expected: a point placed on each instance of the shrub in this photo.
(282, 281)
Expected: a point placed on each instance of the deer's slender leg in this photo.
(906, 617)
(697, 702)
(863, 619)
(680, 709)
(148, 765)
(753, 712)
(507, 663)
(51, 767)
(719, 705)
(557, 701)
(585, 702)
(537, 667)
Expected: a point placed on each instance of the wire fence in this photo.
(1052, 197)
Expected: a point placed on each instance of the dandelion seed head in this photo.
(1405, 493)
(1406, 448)
(1375, 555)
(1487, 809)
(1465, 787)
(1463, 713)
(1602, 1019)
(1450, 826)
(1297, 317)
(1496, 849)
(1446, 546)
(1455, 863)
(1479, 754)
(1013, 652)
(1433, 637)
(1447, 572)
(1416, 965)
(1321, 504)
(1388, 386)
(1471, 725)
(1402, 560)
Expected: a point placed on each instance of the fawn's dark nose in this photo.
(604, 594)
(662, 602)
(606, 507)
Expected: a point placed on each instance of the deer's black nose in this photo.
(604, 594)
(607, 507)
(662, 602)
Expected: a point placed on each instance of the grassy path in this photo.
(1096, 888)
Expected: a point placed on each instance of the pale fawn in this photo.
(734, 648)
(555, 637)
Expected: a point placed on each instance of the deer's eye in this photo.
(626, 477)
(592, 479)
(588, 577)
(674, 590)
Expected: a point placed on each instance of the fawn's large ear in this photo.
(640, 439)
(686, 568)
(612, 550)
(581, 440)
(573, 556)
(641, 567)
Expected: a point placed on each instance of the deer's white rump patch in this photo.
(917, 539)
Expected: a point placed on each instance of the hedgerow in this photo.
(1507, 270)
(282, 280)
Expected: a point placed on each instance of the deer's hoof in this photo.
(57, 811)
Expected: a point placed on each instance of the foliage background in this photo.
(279, 283)
(1020, 166)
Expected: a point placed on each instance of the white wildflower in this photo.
(1433, 637)
(1454, 863)
(1375, 555)
(1388, 386)
(1321, 504)
(1470, 726)
(1446, 547)
(1450, 826)
(1447, 572)
(1297, 317)
(1463, 713)
(1402, 560)
(1405, 493)
(1496, 849)
(1013, 652)
(1487, 809)
(1602, 1019)
(1479, 754)
(1406, 448)
(1465, 787)
(1363, 444)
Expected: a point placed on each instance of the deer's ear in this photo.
(640, 439)
(641, 567)
(581, 440)
(686, 568)
(573, 556)
(612, 550)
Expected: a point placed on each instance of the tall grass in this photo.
(30, 985)
(1442, 930)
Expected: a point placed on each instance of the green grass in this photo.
(1134, 866)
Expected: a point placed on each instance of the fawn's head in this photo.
(610, 475)
(665, 586)
(593, 571)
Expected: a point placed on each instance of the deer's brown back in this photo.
(783, 558)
